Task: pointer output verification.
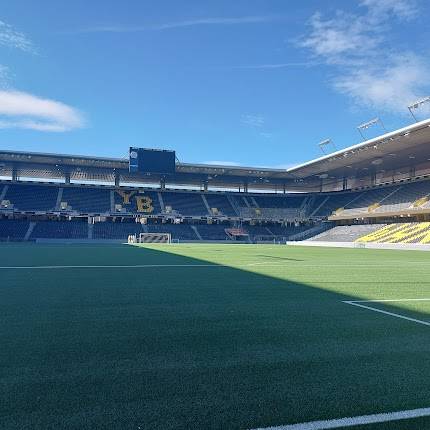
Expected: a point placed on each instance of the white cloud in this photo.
(343, 35)
(366, 66)
(388, 88)
(26, 111)
(379, 9)
(186, 23)
(253, 120)
(12, 38)
(4, 76)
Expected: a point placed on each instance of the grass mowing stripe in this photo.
(355, 421)
(358, 304)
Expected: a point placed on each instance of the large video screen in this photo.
(152, 161)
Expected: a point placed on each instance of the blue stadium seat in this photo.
(187, 204)
(178, 231)
(212, 231)
(87, 200)
(13, 229)
(32, 198)
(60, 230)
(220, 201)
(116, 230)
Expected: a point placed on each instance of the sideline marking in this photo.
(354, 421)
(359, 304)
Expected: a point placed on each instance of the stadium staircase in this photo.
(29, 231)
(205, 202)
(234, 204)
(3, 192)
(194, 228)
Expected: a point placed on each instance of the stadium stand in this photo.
(287, 202)
(87, 200)
(102, 200)
(186, 204)
(13, 229)
(221, 203)
(32, 198)
(324, 205)
(287, 207)
(178, 231)
(405, 197)
(288, 214)
(399, 233)
(136, 201)
(389, 199)
(212, 231)
(377, 182)
(60, 230)
(116, 230)
(287, 231)
(364, 200)
(260, 215)
(345, 233)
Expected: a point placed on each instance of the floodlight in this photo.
(324, 143)
(369, 124)
(417, 105)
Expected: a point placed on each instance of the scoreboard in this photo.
(143, 160)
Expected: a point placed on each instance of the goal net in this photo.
(151, 238)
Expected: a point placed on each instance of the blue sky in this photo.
(251, 82)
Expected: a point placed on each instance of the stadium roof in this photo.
(400, 149)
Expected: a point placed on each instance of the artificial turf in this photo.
(257, 336)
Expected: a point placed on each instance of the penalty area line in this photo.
(354, 421)
(359, 303)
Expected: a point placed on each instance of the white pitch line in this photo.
(391, 300)
(354, 303)
(354, 421)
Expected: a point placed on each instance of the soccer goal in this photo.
(153, 238)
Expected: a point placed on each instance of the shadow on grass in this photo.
(177, 347)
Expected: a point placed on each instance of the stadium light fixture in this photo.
(324, 143)
(368, 124)
(417, 105)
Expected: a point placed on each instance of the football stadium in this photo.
(214, 215)
(148, 293)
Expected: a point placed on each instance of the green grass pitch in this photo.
(209, 336)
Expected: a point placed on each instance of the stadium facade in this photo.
(376, 191)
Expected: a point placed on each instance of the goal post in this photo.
(153, 238)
